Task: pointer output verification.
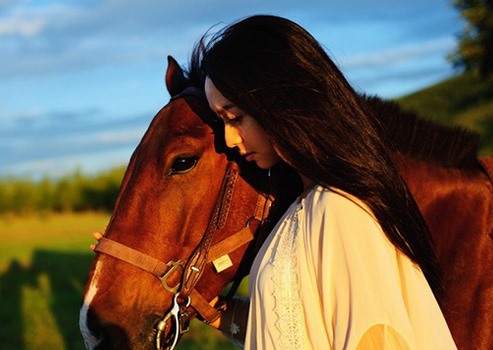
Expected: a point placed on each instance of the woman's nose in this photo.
(232, 136)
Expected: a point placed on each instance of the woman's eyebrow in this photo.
(228, 106)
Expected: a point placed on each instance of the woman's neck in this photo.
(307, 185)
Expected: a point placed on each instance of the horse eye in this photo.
(182, 165)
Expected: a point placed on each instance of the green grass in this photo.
(23, 236)
(43, 268)
(462, 100)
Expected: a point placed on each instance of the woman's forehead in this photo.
(215, 98)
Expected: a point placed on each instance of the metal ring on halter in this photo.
(250, 220)
(161, 326)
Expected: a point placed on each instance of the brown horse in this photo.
(188, 206)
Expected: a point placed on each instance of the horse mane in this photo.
(424, 140)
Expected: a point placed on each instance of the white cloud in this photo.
(79, 35)
(121, 137)
(399, 54)
(21, 26)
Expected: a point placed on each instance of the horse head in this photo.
(183, 198)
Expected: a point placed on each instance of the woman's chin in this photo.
(265, 165)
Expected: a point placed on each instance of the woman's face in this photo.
(241, 130)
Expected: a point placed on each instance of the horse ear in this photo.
(176, 81)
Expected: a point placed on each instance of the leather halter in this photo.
(184, 292)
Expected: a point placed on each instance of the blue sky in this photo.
(81, 80)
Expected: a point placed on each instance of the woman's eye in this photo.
(182, 165)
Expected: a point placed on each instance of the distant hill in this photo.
(462, 100)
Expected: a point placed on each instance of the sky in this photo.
(80, 80)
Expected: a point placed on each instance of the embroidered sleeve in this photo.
(290, 321)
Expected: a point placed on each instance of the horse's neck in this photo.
(444, 194)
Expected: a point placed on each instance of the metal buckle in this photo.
(174, 265)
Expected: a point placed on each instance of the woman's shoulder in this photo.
(334, 200)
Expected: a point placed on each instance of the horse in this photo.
(191, 214)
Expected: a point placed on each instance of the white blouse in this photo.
(328, 278)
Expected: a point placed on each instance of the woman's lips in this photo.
(249, 156)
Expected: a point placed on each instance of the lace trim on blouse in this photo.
(290, 322)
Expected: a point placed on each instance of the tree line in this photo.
(76, 192)
(475, 43)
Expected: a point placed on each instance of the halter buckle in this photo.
(174, 265)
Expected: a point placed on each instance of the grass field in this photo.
(43, 268)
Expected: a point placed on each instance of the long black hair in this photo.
(275, 71)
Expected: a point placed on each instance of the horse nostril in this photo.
(92, 331)
(99, 334)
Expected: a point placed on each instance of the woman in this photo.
(350, 265)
